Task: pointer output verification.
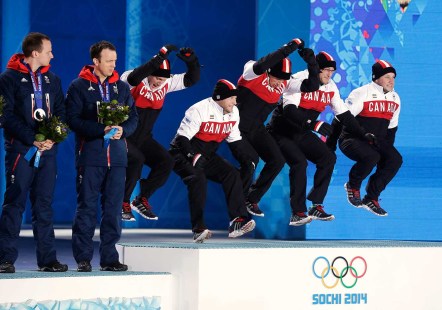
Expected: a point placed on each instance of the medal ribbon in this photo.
(36, 84)
(105, 96)
(38, 95)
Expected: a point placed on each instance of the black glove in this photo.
(291, 46)
(371, 139)
(198, 161)
(186, 54)
(320, 127)
(166, 50)
(308, 55)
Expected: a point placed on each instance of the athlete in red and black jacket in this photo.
(149, 84)
(259, 89)
(292, 125)
(376, 107)
(101, 166)
(205, 125)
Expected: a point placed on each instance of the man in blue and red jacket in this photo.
(101, 167)
(32, 93)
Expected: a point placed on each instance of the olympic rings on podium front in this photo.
(339, 275)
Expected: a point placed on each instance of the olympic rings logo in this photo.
(339, 276)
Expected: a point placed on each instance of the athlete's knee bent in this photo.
(372, 159)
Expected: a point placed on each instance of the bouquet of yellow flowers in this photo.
(112, 113)
(52, 129)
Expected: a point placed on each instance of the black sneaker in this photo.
(373, 206)
(142, 207)
(54, 267)
(253, 208)
(317, 212)
(84, 266)
(126, 213)
(116, 266)
(240, 226)
(7, 267)
(299, 219)
(201, 236)
(353, 196)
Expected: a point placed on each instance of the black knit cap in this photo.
(163, 70)
(224, 89)
(380, 68)
(282, 70)
(325, 60)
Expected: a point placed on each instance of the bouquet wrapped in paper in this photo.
(112, 113)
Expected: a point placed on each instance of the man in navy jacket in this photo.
(101, 168)
(31, 93)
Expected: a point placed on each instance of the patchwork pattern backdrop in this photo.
(356, 34)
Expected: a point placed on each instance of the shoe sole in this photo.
(307, 220)
(44, 269)
(9, 270)
(353, 205)
(131, 220)
(244, 230)
(112, 269)
(371, 211)
(324, 219)
(255, 214)
(146, 217)
(206, 234)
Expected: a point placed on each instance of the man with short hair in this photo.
(149, 84)
(32, 93)
(259, 88)
(101, 167)
(376, 107)
(205, 125)
(295, 125)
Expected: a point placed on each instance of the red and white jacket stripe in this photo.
(206, 121)
(326, 95)
(259, 85)
(145, 97)
(369, 101)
